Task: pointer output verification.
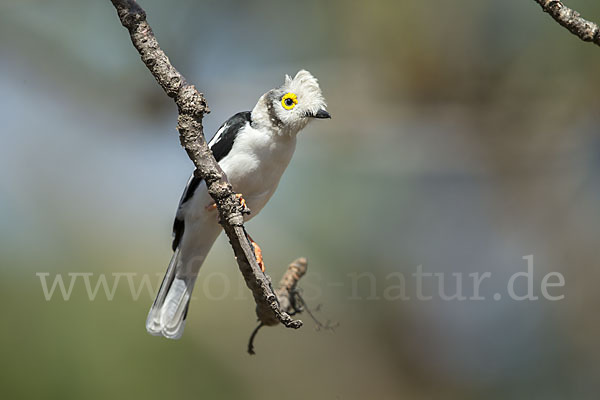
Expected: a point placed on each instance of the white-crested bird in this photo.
(253, 148)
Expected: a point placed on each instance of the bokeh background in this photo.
(465, 136)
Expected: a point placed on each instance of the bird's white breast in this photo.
(256, 163)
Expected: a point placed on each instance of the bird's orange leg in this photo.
(257, 254)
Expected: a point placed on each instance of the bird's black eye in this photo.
(289, 102)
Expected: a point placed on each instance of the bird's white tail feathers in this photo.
(169, 311)
(167, 315)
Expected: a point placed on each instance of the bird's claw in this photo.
(245, 209)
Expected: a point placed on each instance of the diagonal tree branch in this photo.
(192, 107)
(572, 20)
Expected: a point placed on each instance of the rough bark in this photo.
(192, 107)
(572, 20)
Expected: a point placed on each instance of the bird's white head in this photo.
(288, 108)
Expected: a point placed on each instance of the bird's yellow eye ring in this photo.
(289, 101)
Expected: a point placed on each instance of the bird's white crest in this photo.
(308, 100)
(306, 87)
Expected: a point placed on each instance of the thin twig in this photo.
(252, 336)
(572, 20)
(192, 107)
(327, 326)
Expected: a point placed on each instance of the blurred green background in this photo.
(465, 136)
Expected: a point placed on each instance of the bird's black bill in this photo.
(321, 114)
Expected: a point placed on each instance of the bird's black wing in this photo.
(222, 142)
(220, 145)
